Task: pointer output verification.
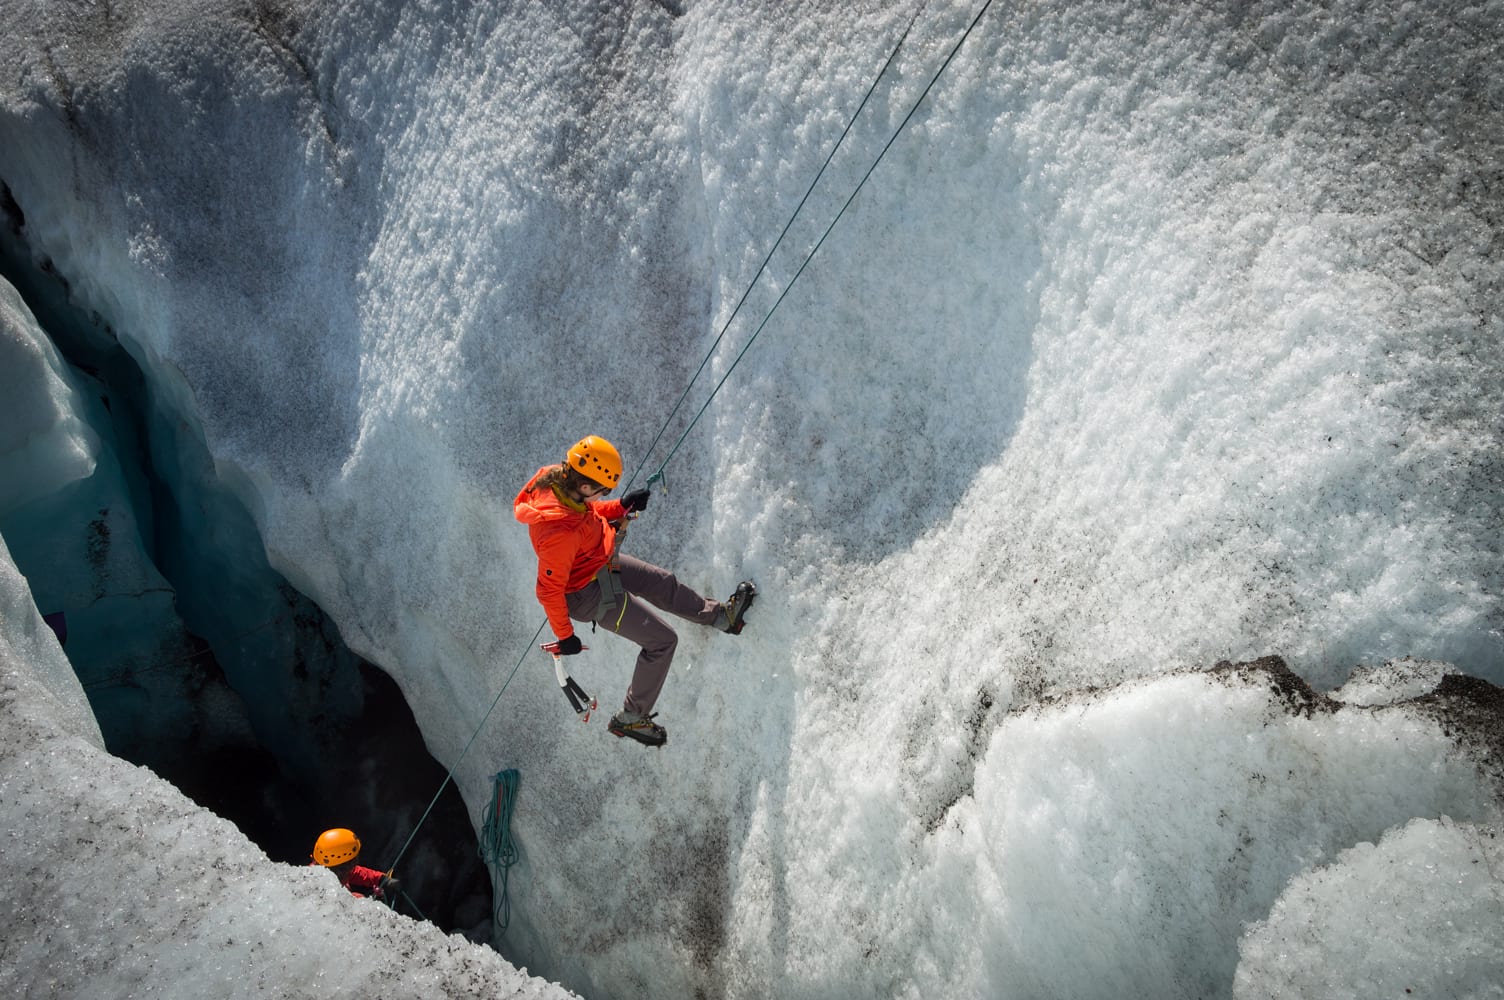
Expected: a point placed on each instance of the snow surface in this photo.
(1163, 336)
(1438, 874)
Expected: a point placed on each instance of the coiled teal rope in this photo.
(496, 846)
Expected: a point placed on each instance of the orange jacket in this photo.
(572, 541)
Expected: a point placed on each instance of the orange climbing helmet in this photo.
(335, 847)
(597, 460)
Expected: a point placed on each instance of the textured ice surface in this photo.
(1162, 336)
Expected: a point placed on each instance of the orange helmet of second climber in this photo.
(335, 847)
(597, 460)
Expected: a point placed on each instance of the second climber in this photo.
(336, 850)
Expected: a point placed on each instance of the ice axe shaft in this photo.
(581, 702)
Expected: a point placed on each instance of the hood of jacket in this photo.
(535, 506)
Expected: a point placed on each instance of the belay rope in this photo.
(818, 243)
(764, 266)
(716, 389)
(496, 847)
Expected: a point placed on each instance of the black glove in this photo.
(569, 646)
(388, 888)
(636, 500)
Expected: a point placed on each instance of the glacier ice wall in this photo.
(1161, 337)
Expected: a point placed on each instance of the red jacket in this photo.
(361, 881)
(573, 542)
(365, 881)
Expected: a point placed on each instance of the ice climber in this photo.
(582, 577)
(336, 850)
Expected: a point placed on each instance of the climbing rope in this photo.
(818, 244)
(403, 893)
(496, 846)
(481, 725)
(656, 476)
(772, 250)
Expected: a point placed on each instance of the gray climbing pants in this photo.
(621, 606)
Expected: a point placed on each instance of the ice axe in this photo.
(581, 702)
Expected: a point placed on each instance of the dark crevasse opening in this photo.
(201, 662)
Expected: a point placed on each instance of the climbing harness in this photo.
(496, 847)
(613, 594)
